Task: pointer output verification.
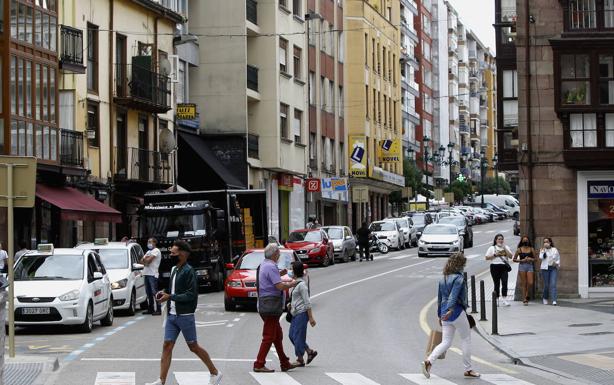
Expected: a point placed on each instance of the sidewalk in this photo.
(28, 370)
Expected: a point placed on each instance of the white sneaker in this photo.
(156, 382)
(545, 301)
(215, 379)
(554, 303)
(505, 303)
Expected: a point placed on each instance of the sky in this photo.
(479, 16)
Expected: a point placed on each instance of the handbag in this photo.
(434, 340)
(471, 320)
(508, 267)
(269, 306)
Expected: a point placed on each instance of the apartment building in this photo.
(251, 89)
(372, 109)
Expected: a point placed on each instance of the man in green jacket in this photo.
(182, 301)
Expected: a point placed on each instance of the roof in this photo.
(62, 251)
(305, 230)
(110, 245)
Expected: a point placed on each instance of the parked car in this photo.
(344, 243)
(464, 228)
(505, 202)
(420, 220)
(440, 240)
(409, 231)
(62, 287)
(240, 285)
(390, 231)
(121, 261)
(441, 214)
(312, 246)
(501, 213)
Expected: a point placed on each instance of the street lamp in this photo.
(450, 162)
(495, 164)
(425, 162)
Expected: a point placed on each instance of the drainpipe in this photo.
(528, 21)
(112, 149)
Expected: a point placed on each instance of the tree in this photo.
(413, 179)
(460, 189)
(490, 186)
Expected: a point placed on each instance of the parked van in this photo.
(506, 202)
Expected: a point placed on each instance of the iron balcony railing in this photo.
(71, 148)
(71, 54)
(138, 164)
(252, 11)
(142, 88)
(252, 78)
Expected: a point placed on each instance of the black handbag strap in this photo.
(258, 281)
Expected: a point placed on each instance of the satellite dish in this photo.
(165, 67)
(167, 141)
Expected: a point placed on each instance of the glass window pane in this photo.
(52, 94)
(14, 139)
(608, 14)
(28, 102)
(28, 25)
(576, 139)
(575, 92)
(38, 34)
(14, 7)
(21, 30)
(568, 67)
(609, 130)
(45, 142)
(29, 139)
(45, 112)
(583, 66)
(45, 31)
(39, 141)
(13, 91)
(53, 33)
(21, 137)
(53, 141)
(20, 100)
(37, 93)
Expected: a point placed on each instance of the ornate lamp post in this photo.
(495, 163)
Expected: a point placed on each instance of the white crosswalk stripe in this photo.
(503, 379)
(471, 256)
(115, 378)
(419, 379)
(274, 379)
(192, 378)
(351, 379)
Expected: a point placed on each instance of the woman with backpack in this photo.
(301, 313)
(451, 310)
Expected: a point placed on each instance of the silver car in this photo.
(440, 240)
(344, 243)
(409, 231)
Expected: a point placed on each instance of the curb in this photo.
(51, 365)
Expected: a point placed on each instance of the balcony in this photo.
(140, 88)
(71, 148)
(145, 166)
(71, 50)
(463, 128)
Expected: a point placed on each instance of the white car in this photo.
(389, 230)
(62, 287)
(121, 261)
(440, 240)
(409, 232)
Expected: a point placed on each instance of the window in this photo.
(93, 124)
(297, 126)
(297, 8)
(367, 101)
(92, 57)
(426, 50)
(394, 69)
(312, 88)
(582, 14)
(606, 79)
(341, 45)
(341, 158)
(331, 96)
(375, 117)
(331, 39)
(283, 55)
(283, 4)
(575, 79)
(341, 106)
(283, 120)
(379, 60)
(323, 31)
(385, 62)
(608, 13)
(609, 130)
(298, 62)
(510, 84)
(312, 146)
(583, 130)
(323, 89)
(373, 53)
(28, 93)
(366, 50)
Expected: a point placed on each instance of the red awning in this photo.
(77, 206)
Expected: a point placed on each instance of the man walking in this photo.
(3, 260)
(151, 260)
(364, 235)
(270, 285)
(183, 298)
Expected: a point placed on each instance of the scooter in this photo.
(381, 245)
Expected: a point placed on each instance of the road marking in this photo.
(505, 231)
(38, 347)
(230, 325)
(236, 320)
(351, 379)
(192, 378)
(274, 379)
(419, 379)
(593, 360)
(157, 359)
(405, 256)
(478, 232)
(115, 378)
(490, 231)
(503, 379)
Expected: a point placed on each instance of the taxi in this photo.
(62, 287)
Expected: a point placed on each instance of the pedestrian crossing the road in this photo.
(277, 378)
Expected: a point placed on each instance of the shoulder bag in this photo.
(508, 267)
(289, 315)
(269, 306)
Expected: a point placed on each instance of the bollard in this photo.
(466, 287)
(495, 329)
(474, 306)
(482, 302)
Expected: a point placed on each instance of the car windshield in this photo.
(158, 224)
(402, 223)
(439, 230)
(114, 258)
(334, 232)
(458, 221)
(49, 267)
(252, 260)
(418, 220)
(382, 226)
(305, 236)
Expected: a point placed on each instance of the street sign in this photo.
(449, 197)
(360, 194)
(438, 194)
(186, 111)
(313, 185)
(407, 192)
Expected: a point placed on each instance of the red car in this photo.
(240, 285)
(312, 246)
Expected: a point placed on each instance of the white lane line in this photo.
(404, 256)
(236, 320)
(274, 379)
(419, 379)
(157, 359)
(351, 379)
(490, 231)
(211, 325)
(192, 378)
(505, 231)
(503, 379)
(471, 256)
(115, 378)
(478, 232)
(230, 325)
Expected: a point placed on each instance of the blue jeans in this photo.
(151, 287)
(549, 277)
(298, 333)
(185, 324)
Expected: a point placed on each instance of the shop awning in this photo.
(77, 206)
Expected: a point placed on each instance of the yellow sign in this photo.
(438, 194)
(23, 176)
(186, 111)
(390, 150)
(360, 195)
(407, 192)
(358, 156)
(449, 196)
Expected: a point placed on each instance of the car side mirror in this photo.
(97, 275)
(137, 266)
(230, 266)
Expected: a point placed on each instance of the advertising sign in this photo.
(313, 185)
(390, 150)
(358, 156)
(360, 194)
(334, 184)
(186, 111)
(285, 182)
(599, 189)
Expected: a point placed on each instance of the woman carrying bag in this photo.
(301, 314)
(451, 310)
(551, 263)
(498, 255)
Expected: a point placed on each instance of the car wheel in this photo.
(346, 256)
(132, 306)
(516, 216)
(383, 248)
(414, 243)
(219, 278)
(326, 261)
(88, 323)
(229, 305)
(108, 318)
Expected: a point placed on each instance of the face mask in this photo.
(525, 243)
(291, 274)
(150, 246)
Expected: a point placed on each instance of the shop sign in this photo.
(360, 194)
(390, 150)
(385, 176)
(186, 111)
(313, 185)
(599, 189)
(358, 156)
(334, 184)
(285, 182)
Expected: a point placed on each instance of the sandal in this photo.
(426, 368)
(472, 374)
(311, 356)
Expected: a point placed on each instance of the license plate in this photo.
(252, 294)
(166, 275)
(35, 310)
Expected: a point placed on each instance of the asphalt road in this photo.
(373, 319)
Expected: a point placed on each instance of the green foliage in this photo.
(490, 186)
(460, 189)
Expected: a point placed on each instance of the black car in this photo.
(420, 219)
(464, 228)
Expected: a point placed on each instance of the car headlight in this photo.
(201, 272)
(462, 233)
(119, 284)
(234, 283)
(70, 296)
(337, 248)
(421, 242)
(315, 250)
(456, 242)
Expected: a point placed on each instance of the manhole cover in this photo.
(583, 325)
(596, 333)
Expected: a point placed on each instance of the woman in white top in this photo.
(550, 264)
(498, 254)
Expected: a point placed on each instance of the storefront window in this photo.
(601, 233)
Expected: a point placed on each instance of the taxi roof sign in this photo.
(101, 241)
(45, 248)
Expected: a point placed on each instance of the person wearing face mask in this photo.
(525, 257)
(550, 265)
(151, 260)
(498, 255)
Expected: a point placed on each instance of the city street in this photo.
(372, 324)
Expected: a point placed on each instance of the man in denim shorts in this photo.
(182, 302)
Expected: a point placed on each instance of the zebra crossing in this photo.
(278, 378)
